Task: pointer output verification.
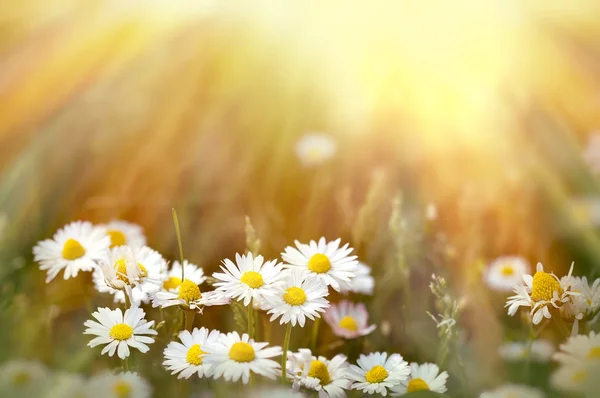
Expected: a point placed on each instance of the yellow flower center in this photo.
(377, 374)
(193, 355)
(172, 283)
(121, 331)
(72, 250)
(252, 279)
(189, 291)
(580, 377)
(117, 238)
(121, 268)
(544, 286)
(143, 271)
(21, 378)
(417, 385)
(319, 371)
(241, 352)
(348, 323)
(594, 353)
(319, 263)
(122, 389)
(294, 296)
(508, 270)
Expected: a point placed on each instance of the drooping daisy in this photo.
(541, 350)
(362, 283)
(328, 377)
(172, 278)
(326, 261)
(150, 266)
(377, 373)
(513, 391)
(233, 357)
(75, 247)
(187, 357)
(22, 378)
(313, 149)
(425, 377)
(129, 385)
(123, 233)
(579, 349)
(541, 291)
(188, 295)
(504, 273)
(248, 278)
(119, 332)
(297, 298)
(348, 320)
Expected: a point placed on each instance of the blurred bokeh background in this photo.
(126, 109)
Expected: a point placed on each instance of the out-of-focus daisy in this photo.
(541, 291)
(67, 385)
(129, 385)
(233, 357)
(21, 378)
(504, 273)
(328, 377)
(119, 332)
(376, 373)
(585, 211)
(313, 149)
(579, 349)
(75, 247)
(541, 350)
(123, 233)
(348, 320)
(425, 377)
(188, 295)
(326, 261)
(578, 378)
(172, 278)
(248, 278)
(150, 266)
(513, 391)
(187, 357)
(362, 283)
(298, 297)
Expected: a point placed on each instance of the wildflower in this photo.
(233, 357)
(130, 385)
(578, 349)
(328, 377)
(326, 261)
(248, 278)
(362, 283)
(540, 291)
(297, 298)
(123, 233)
(119, 332)
(378, 373)
(585, 304)
(187, 357)
(75, 247)
(541, 350)
(348, 320)
(504, 273)
(423, 377)
(314, 149)
(172, 278)
(513, 391)
(21, 378)
(578, 378)
(188, 296)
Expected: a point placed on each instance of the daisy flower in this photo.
(188, 295)
(187, 357)
(120, 271)
(130, 385)
(248, 278)
(541, 350)
(423, 377)
(172, 278)
(233, 357)
(362, 283)
(75, 247)
(297, 298)
(150, 266)
(20, 378)
(541, 291)
(513, 391)
(583, 305)
(328, 377)
(123, 233)
(326, 261)
(376, 372)
(504, 273)
(119, 332)
(348, 320)
(314, 149)
(579, 349)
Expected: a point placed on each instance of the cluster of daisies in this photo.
(290, 292)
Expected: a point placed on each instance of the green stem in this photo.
(178, 233)
(250, 320)
(528, 354)
(315, 334)
(286, 346)
(189, 320)
(127, 300)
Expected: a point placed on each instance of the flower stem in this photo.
(178, 233)
(286, 346)
(189, 320)
(250, 320)
(315, 334)
(127, 300)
